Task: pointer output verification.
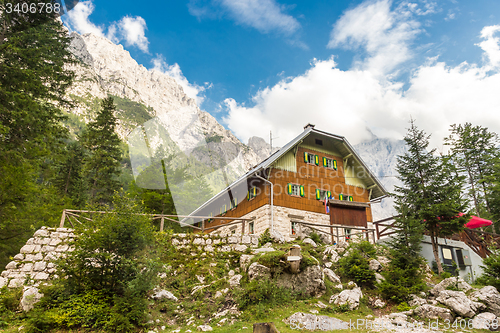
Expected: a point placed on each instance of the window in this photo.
(252, 193)
(347, 233)
(294, 228)
(345, 197)
(329, 163)
(322, 194)
(311, 158)
(295, 189)
(251, 228)
(234, 204)
(318, 142)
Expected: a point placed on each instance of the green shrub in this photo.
(356, 267)
(265, 238)
(491, 270)
(9, 303)
(316, 238)
(403, 307)
(265, 293)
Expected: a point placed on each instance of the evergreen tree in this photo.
(430, 191)
(69, 179)
(33, 82)
(473, 150)
(102, 167)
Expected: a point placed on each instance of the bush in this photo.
(356, 266)
(265, 238)
(316, 238)
(9, 303)
(105, 280)
(491, 270)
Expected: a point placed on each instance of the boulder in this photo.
(484, 321)
(31, 296)
(350, 297)
(459, 303)
(258, 271)
(264, 328)
(300, 321)
(310, 281)
(459, 282)
(416, 301)
(379, 278)
(397, 318)
(310, 242)
(375, 265)
(234, 281)
(331, 275)
(204, 328)
(490, 296)
(160, 294)
(427, 311)
(245, 260)
(277, 237)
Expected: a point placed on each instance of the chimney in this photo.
(309, 126)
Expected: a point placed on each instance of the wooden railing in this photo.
(72, 215)
(335, 235)
(479, 241)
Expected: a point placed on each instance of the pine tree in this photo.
(102, 167)
(430, 191)
(473, 150)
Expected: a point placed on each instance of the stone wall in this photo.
(282, 222)
(34, 263)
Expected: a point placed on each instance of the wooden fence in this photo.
(72, 215)
(336, 227)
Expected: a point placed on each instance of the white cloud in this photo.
(264, 15)
(356, 103)
(191, 90)
(384, 34)
(130, 29)
(491, 45)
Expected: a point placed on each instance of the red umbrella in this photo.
(476, 222)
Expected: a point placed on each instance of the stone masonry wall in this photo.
(34, 264)
(35, 261)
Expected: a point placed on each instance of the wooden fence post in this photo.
(63, 218)
(162, 223)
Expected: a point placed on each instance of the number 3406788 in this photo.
(25, 8)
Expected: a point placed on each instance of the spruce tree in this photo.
(430, 191)
(473, 150)
(102, 167)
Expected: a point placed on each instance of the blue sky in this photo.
(350, 67)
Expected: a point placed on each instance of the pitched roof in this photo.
(338, 142)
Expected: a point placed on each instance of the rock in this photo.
(379, 278)
(462, 285)
(31, 296)
(277, 237)
(301, 320)
(310, 281)
(416, 301)
(341, 246)
(15, 283)
(11, 265)
(350, 297)
(375, 265)
(397, 318)
(264, 328)
(245, 260)
(459, 303)
(200, 278)
(321, 305)
(310, 242)
(18, 257)
(264, 249)
(427, 311)
(41, 233)
(351, 285)
(3, 282)
(330, 252)
(331, 275)
(160, 294)
(328, 264)
(268, 245)
(490, 296)
(383, 260)
(484, 321)
(378, 303)
(40, 266)
(258, 271)
(235, 281)
(27, 249)
(204, 328)
(240, 247)
(314, 311)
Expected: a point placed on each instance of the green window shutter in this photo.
(318, 193)
(235, 202)
(302, 191)
(316, 159)
(328, 194)
(248, 195)
(341, 197)
(289, 188)
(324, 161)
(350, 198)
(305, 158)
(335, 164)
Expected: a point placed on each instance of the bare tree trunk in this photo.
(436, 252)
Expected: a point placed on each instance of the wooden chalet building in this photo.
(314, 167)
